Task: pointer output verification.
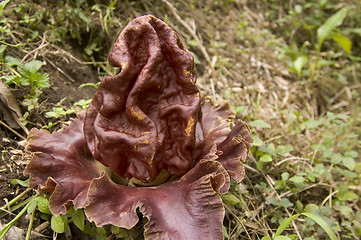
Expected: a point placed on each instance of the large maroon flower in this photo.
(147, 141)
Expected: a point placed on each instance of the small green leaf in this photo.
(20, 182)
(79, 218)
(348, 196)
(312, 124)
(297, 179)
(322, 224)
(284, 149)
(266, 158)
(192, 43)
(59, 223)
(331, 23)
(265, 238)
(229, 198)
(284, 202)
(43, 205)
(11, 61)
(260, 124)
(32, 205)
(349, 163)
(343, 41)
(257, 141)
(281, 238)
(299, 63)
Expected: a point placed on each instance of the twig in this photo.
(59, 69)
(12, 130)
(200, 45)
(238, 220)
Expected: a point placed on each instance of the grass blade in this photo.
(322, 223)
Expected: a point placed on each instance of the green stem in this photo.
(12, 222)
(30, 226)
(14, 200)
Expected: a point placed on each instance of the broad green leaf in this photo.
(266, 158)
(285, 224)
(43, 205)
(78, 218)
(343, 41)
(230, 199)
(59, 223)
(349, 162)
(331, 23)
(299, 63)
(322, 224)
(260, 124)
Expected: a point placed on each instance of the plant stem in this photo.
(14, 200)
(12, 222)
(30, 226)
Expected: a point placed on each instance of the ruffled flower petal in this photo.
(189, 208)
(62, 165)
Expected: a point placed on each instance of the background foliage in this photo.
(291, 69)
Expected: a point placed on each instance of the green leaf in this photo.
(312, 124)
(284, 202)
(78, 218)
(229, 198)
(297, 179)
(257, 141)
(348, 196)
(43, 205)
(266, 158)
(284, 149)
(299, 63)
(265, 238)
(12, 61)
(343, 41)
(3, 4)
(59, 223)
(349, 163)
(285, 224)
(20, 182)
(281, 238)
(322, 224)
(331, 23)
(32, 205)
(30, 68)
(260, 124)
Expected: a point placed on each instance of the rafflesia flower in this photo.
(148, 142)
